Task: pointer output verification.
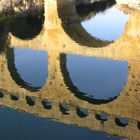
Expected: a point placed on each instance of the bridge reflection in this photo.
(55, 100)
(79, 94)
(14, 71)
(71, 24)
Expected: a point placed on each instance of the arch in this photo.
(14, 73)
(27, 27)
(74, 89)
(72, 26)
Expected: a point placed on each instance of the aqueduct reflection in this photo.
(16, 76)
(71, 23)
(67, 79)
(55, 91)
(32, 26)
(83, 95)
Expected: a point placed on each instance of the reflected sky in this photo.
(32, 66)
(97, 77)
(107, 25)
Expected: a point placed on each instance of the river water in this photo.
(94, 83)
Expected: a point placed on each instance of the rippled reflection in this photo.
(32, 66)
(97, 78)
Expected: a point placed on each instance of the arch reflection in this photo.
(72, 26)
(27, 73)
(107, 25)
(99, 83)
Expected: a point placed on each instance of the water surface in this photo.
(98, 78)
(17, 125)
(107, 25)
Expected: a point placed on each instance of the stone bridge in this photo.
(58, 98)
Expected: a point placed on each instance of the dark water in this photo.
(17, 125)
(95, 80)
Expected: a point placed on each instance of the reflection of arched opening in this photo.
(98, 22)
(80, 35)
(15, 73)
(80, 93)
(27, 27)
(72, 26)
